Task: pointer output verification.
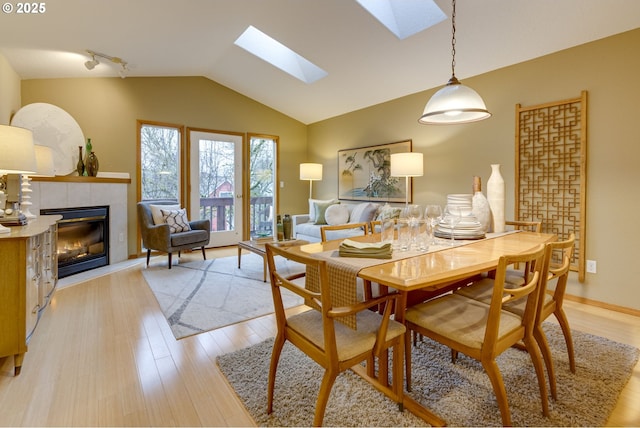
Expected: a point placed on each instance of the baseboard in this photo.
(609, 306)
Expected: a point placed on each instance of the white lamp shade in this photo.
(407, 164)
(455, 103)
(44, 161)
(17, 153)
(310, 171)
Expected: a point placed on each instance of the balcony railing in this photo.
(220, 212)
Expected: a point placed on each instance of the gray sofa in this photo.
(307, 226)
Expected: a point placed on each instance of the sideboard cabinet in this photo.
(28, 277)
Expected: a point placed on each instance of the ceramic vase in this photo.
(286, 227)
(495, 196)
(480, 205)
(92, 165)
(87, 153)
(80, 164)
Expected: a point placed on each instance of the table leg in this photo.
(264, 268)
(239, 254)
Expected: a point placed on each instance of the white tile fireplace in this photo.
(72, 192)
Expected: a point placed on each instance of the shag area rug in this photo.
(460, 393)
(204, 295)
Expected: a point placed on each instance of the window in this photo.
(160, 149)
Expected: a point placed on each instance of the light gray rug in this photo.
(204, 295)
(460, 393)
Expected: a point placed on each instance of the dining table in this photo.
(437, 268)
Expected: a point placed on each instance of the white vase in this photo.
(480, 204)
(495, 196)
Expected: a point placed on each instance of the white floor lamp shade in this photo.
(407, 165)
(311, 172)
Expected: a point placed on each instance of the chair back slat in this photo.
(503, 294)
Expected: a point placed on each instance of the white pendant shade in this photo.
(455, 103)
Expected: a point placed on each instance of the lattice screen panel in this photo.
(551, 143)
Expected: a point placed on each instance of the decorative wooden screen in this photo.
(551, 148)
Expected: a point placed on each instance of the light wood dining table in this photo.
(432, 271)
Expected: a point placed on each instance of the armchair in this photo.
(159, 237)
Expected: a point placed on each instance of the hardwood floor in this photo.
(103, 355)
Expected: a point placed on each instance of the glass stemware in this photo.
(414, 212)
(433, 214)
(452, 216)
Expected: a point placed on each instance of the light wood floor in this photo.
(103, 355)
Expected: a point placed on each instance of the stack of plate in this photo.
(469, 226)
(462, 202)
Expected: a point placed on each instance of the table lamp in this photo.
(17, 156)
(311, 172)
(406, 165)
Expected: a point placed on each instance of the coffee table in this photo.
(257, 247)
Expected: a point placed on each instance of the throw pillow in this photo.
(312, 207)
(157, 215)
(177, 220)
(387, 211)
(363, 213)
(320, 209)
(336, 214)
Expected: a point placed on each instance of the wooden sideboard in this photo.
(28, 277)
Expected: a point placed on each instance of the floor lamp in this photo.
(17, 156)
(311, 172)
(406, 165)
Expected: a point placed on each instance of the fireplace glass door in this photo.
(82, 239)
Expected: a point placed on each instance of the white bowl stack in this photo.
(469, 226)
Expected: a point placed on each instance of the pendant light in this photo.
(455, 103)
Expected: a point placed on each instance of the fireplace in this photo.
(83, 238)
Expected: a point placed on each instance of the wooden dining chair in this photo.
(483, 331)
(375, 226)
(319, 333)
(514, 274)
(367, 289)
(555, 271)
(364, 226)
(531, 226)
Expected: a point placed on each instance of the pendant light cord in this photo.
(453, 41)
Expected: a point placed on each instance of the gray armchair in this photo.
(159, 237)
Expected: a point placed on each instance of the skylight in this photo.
(278, 55)
(404, 18)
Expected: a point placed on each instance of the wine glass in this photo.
(453, 216)
(414, 212)
(433, 213)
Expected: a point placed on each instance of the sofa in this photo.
(333, 212)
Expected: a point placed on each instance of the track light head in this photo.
(91, 64)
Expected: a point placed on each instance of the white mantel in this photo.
(74, 191)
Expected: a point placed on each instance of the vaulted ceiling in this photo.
(366, 63)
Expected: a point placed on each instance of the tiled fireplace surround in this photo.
(88, 192)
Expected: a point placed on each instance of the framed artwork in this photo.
(364, 174)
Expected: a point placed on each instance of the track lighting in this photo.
(114, 59)
(92, 62)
